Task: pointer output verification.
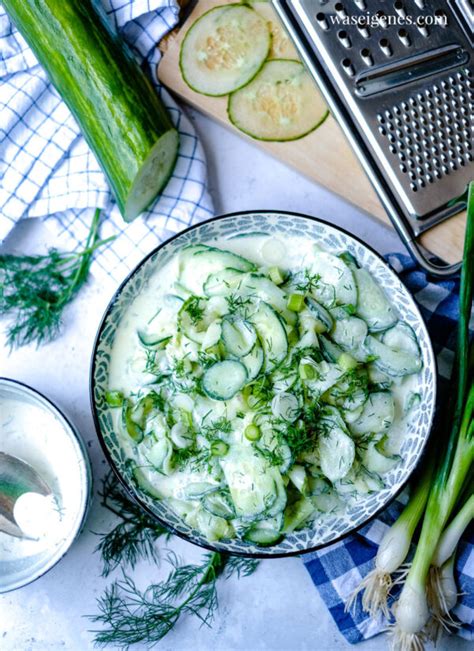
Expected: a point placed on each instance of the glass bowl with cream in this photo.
(34, 431)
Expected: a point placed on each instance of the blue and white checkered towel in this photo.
(338, 569)
(47, 169)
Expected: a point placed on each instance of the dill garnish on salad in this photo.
(253, 398)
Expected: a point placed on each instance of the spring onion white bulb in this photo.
(392, 553)
(453, 532)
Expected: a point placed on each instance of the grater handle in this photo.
(438, 270)
(432, 268)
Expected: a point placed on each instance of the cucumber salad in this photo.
(254, 398)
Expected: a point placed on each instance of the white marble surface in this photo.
(278, 608)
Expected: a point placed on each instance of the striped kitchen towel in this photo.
(337, 570)
(47, 169)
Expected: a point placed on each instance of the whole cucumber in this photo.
(120, 115)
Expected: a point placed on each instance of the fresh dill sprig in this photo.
(134, 537)
(129, 615)
(35, 289)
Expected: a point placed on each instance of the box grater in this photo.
(397, 75)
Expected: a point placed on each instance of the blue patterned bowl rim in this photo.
(307, 540)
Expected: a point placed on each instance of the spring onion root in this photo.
(392, 552)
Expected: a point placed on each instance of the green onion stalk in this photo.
(412, 612)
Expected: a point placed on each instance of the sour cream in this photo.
(32, 430)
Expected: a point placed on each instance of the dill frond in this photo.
(35, 289)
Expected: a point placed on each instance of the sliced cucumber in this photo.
(251, 482)
(198, 489)
(373, 306)
(327, 376)
(224, 49)
(196, 263)
(321, 314)
(141, 479)
(282, 45)
(221, 283)
(272, 335)
(401, 337)
(298, 514)
(149, 340)
(331, 351)
(377, 462)
(265, 532)
(219, 504)
(281, 103)
(253, 362)
(159, 456)
(223, 380)
(336, 284)
(238, 336)
(377, 415)
(350, 333)
(393, 362)
(336, 453)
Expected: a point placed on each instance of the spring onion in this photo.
(412, 612)
(392, 552)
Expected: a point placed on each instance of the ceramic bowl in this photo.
(289, 228)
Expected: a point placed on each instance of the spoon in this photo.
(16, 478)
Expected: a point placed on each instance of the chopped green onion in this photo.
(276, 275)
(252, 432)
(307, 372)
(319, 327)
(347, 362)
(114, 398)
(295, 302)
(219, 448)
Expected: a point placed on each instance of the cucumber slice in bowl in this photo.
(224, 379)
(224, 49)
(280, 104)
(198, 262)
(238, 336)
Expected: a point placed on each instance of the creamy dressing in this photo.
(128, 360)
(35, 435)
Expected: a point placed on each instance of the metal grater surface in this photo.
(402, 90)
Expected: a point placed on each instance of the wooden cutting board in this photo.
(324, 155)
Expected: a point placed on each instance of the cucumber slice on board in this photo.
(197, 262)
(373, 306)
(224, 379)
(282, 45)
(113, 101)
(280, 104)
(224, 49)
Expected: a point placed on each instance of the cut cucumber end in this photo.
(154, 174)
(280, 104)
